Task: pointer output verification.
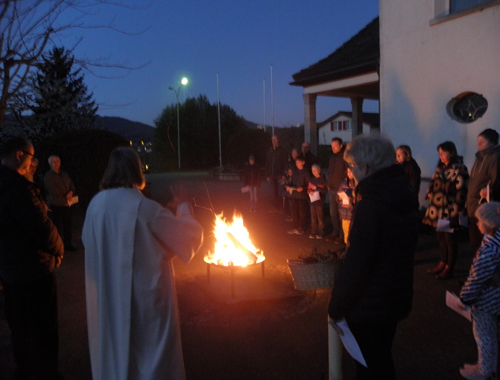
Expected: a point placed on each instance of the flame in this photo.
(233, 244)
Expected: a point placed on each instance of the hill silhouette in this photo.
(130, 130)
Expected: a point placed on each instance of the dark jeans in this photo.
(448, 247)
(375, 341)
(298, 207)
(31, 313)
(334, 213)
(61, 216)
(317, 224)
(276, 191)
(475, 236)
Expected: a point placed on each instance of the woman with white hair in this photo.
(374, 288)
(482, 292)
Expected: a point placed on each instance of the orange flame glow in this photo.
(233, 244)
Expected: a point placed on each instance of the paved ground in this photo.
(268, 330)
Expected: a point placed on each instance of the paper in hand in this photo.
(314, 196)
(350, 343)
(443, 226)
(452, 302)
(343, 196)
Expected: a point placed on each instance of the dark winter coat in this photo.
(485, 170)
(300, 178)
(252, 176)
(29, 241)
(276, 161)
(336, 170)
(375, 283)
(413, 172)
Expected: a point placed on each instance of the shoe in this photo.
(300, 231)
(289, 219)
(312, 236)
(437, 269)
(445, 274)
(472, 372)
(293, 231)
(319, 237)
(336, 239)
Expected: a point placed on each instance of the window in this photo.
(460, 5)
(467, 107)
(445, 10)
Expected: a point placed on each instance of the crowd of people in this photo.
(379, 229)
(130, 289)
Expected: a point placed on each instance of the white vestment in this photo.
(132, 311)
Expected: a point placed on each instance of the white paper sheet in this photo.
(343, 196)
(350, 343)
(452, 301)
(314, 196)
(443, 226)
(245, 189)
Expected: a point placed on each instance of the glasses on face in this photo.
(351, 165)
(26, 152)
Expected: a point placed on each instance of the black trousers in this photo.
(375, 341)
(298, 208)
(31, 313)
(61, 216)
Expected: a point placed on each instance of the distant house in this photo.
(340, 125)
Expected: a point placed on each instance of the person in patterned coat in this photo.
(482, 292)
(447, 193)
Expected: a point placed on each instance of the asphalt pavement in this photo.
(259, 326)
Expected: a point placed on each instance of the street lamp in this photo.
(184, 81)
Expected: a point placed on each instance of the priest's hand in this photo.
(179, 195)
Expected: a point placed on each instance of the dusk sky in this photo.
(237, 39)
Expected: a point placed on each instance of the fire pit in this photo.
(233, 248)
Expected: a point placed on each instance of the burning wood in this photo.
(232, 244)
(251, 256)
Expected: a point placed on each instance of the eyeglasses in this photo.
(25, 152)
(351, 165)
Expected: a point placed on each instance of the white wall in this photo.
(423, 67)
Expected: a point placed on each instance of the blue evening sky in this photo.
(237, 39)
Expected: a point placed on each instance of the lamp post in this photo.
(184, 81)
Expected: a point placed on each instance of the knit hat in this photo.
(489, 214)
(491, 135)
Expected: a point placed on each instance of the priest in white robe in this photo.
(130, 242)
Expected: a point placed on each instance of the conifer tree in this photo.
(59, 100)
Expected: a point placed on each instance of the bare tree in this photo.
(27, 28)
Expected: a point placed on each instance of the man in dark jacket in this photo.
(484, 176)
(336, 174)
(374, 288)
(30, 249)
(276, 161)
